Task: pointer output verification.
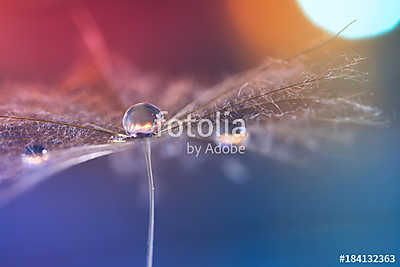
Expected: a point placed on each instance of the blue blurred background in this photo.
(282, 215)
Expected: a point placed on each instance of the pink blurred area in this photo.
(45, 39)
(40, 40)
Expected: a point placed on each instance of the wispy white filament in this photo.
(150, 239)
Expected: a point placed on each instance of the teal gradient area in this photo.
(374, 17)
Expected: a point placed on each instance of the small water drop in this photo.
(35, 154)
(232, 135)
(232, 139)
(142, 120)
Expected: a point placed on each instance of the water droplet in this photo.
(35, 154)
(232, 139)
(231, 135)
(142, 120)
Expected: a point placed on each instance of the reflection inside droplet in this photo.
(35, 154)
(142, 120)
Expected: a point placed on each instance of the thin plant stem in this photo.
(336, 36)
(150, 237)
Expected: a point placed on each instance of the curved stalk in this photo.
(150, 237)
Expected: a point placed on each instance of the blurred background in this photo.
(265, 213)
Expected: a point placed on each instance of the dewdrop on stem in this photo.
(142, 120)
